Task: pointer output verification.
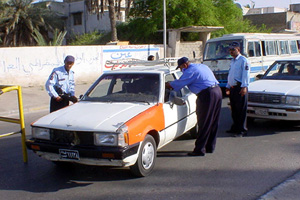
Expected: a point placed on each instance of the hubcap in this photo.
(148, 155)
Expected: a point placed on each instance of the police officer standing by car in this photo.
(61, 85)
(237, 89)
(201, 81)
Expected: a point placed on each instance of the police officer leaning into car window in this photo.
(201, 81)
(237, 89)
(61, 85)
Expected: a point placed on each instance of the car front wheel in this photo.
(146, 158)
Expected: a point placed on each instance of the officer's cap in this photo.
(181, 61)
(70, 59)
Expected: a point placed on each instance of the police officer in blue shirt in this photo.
(201, 81)
(61, 85)
(237, 89)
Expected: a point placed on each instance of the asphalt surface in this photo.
(36, 99)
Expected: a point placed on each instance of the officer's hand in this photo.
(227, 91)
(168, 85)
(74, 99)
(58, 99)
(243, 91)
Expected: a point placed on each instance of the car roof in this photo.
(288, 59)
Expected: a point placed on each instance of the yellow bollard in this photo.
(20, 121)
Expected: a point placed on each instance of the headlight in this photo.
(120, 138)
(41, 133)
(105, 139)
(292, 100)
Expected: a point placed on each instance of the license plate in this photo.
(68, 154)
(262, 111)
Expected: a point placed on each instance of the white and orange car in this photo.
(123, 118)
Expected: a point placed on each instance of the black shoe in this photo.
(209, 151)
(241, 134)
(195, 154)
(231, 131)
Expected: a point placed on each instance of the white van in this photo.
(262, 49)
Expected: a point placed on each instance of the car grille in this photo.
(71, 137)
(264, 98)
(221, 76)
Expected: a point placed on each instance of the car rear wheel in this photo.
(146, 158)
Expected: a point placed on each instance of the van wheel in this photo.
(194, 131)
(146, 158)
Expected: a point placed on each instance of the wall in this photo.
(187, 49)
(276, 21)
(31, 66)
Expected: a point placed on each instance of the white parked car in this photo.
(123, 118)
(276, 95)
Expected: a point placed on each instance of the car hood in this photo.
(91, 116)
(279, 87)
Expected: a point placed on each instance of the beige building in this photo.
(78, 20)
(279, 20)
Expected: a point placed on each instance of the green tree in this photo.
(57, 40)
(19, 19)
(147, 17)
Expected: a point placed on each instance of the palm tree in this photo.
(58, 38)
(20, 18)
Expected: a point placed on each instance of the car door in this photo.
(177, 117)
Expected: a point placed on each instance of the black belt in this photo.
(208, 88)
(238, 84)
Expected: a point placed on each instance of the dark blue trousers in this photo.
(54, 105)
(238, 109)
(209, 103)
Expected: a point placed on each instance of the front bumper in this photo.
(271, 112)
(88, 155)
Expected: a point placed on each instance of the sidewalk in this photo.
(36, 99)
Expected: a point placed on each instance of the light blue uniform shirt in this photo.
(196, 77)
(61, 79)
(239, 72)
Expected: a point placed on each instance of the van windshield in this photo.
(219, 50)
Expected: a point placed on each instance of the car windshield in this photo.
(125, 88)
(219, 50)
(283, 70)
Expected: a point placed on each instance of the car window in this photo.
(125, 88)
(285, 70)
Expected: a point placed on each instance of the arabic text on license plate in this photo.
(69, 154)
(261, 111)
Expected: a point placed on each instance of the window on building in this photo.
(77, 18)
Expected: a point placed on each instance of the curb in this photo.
(287, 190)
(25, 110)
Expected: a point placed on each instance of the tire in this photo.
(250, 120)
(146, 158)
(194, 131)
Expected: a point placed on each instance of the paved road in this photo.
(241, 168)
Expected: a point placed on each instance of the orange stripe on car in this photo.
(140, 125)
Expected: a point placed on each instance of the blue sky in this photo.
(269, 3)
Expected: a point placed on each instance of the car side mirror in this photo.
(175, 99)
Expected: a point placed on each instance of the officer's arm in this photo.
(50, 85)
